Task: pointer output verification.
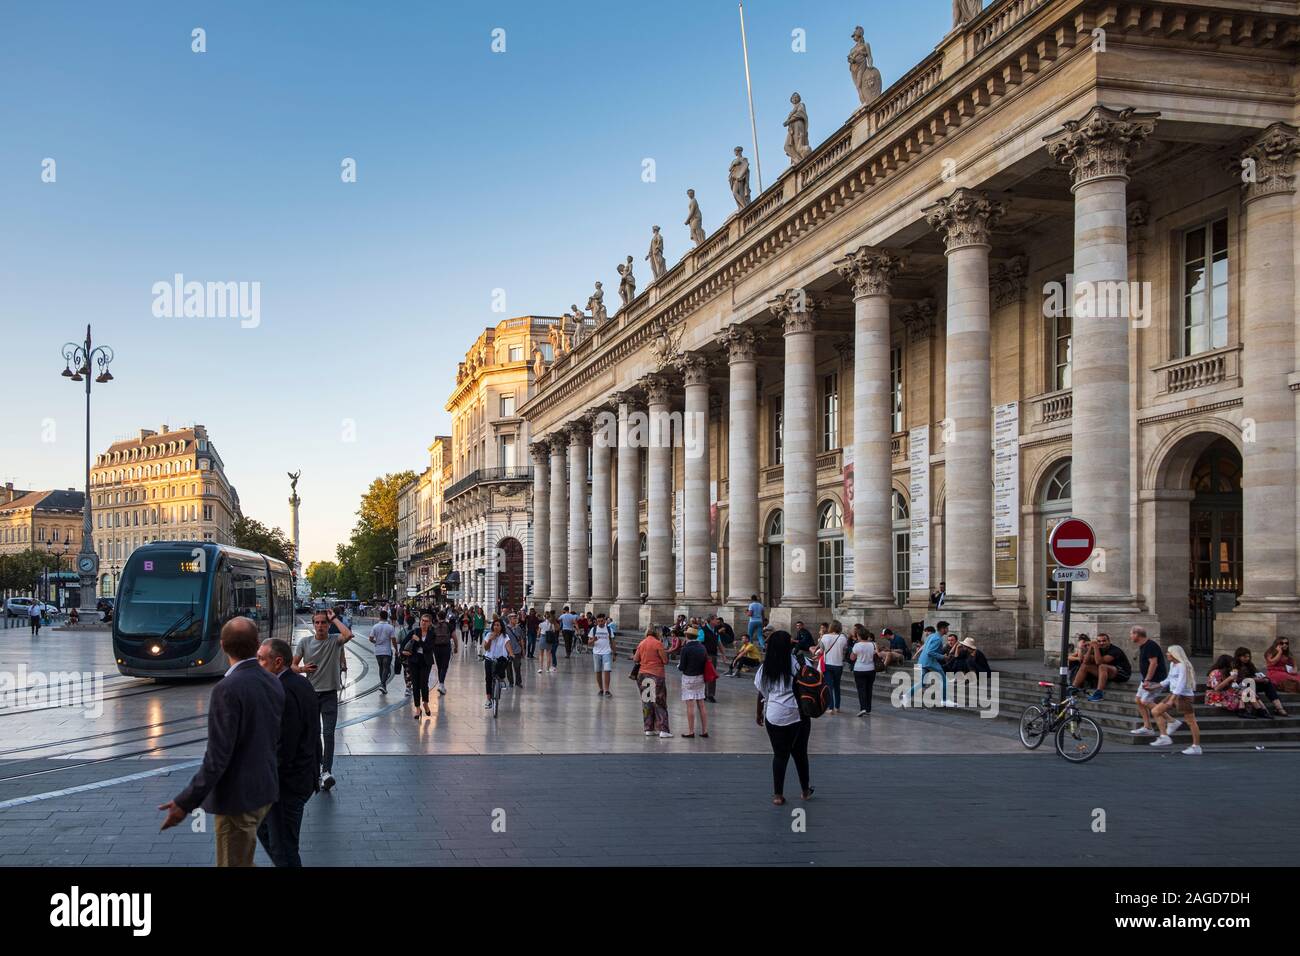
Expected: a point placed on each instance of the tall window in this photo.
(1059, 330)
(902, 529)
(516, 353)
(506, 453)
(1205, 287)
(1055, 508)
(508, 406)
(830, 412)
(778, 432)
(774, 553)
(830, 554)
(548, 353)
(896, 389)
(644, 554)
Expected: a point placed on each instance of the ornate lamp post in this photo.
(78, 359)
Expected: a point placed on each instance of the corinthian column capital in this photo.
(559, 440)
(1267, 161)
(658, 389)
(740, 341)
(794, 308)
(1102, 144)
(869, 270)
(579, 432)
(966, 218)
(694, 368)
(540, 452)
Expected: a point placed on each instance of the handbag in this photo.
(710, 672)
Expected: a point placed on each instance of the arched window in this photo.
(902, 532)
(774, 555)
(1055, 507)
(830, 553)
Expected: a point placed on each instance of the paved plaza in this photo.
(565, 777)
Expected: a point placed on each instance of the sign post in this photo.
(1072, 543)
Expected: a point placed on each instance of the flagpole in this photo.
(753, 125)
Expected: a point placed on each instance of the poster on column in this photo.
(713, 536)
(918, 490)
(847, 490)
(1006, 494)
(679, 512)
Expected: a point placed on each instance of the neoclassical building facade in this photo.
(1049, 271)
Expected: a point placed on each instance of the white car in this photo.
(22, 607)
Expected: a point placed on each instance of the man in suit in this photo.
(239, 778)
(299, 754)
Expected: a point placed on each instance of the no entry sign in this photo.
(1072, 542)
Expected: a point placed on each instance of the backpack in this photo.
(441, 633)
(811, 691)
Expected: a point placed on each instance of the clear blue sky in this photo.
(476, 171)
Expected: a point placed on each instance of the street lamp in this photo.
(77, 362)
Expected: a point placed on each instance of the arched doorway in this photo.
(510, 572)
(773, 557)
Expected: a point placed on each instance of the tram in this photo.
(174, 597)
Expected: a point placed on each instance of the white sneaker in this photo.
(664, 733)
(1172, 726)
(649, 733)
(488, 705)
(327, 781)
(1193, 751)
(539, 670)
(442, 688)
(1164, 740)
(862, 713)
(1142, 732)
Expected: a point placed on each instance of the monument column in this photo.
(698, 594)
(602, 585)
(659, 506)
(579, 554)
(799, 428)
(871, 272)
(966, 219)
(1098, 149)
(1269, 607)
(541, 524)
(559, 594)
(629, 517)
(742, 472)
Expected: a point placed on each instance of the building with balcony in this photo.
(47, 521)
(164, 485)
(1050, 270)
(487, 505)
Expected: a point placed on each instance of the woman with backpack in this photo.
(778, 712)
(444, 645)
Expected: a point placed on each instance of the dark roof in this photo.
(47, 501)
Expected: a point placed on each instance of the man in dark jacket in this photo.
(299, 755)
(239, 779)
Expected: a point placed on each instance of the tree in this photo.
(323, 577)
(251, 534)
(379, 504)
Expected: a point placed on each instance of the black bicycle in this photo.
(1077, 736)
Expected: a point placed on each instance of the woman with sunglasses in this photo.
(1280, 666)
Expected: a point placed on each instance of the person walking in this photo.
(239, 778)
(1152, 671)
(444, 645)
(568, 625)
(417, 653)
(602, 653)
(693, 663)
(545, 632)
(863, 656)
(297, 755)
(517, 637)
(930, 659)
(755, 622)
(320, 657)
(778, 712)
(651, 658)
(496, 656)
(711, 641)
(1181, 682)
(384, 636)
(34, 617)
(531, 622)
(831, 648)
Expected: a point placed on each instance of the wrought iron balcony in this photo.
(488, 475)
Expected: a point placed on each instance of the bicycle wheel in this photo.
(1078, 740)
(1033, 726)
(496, 696)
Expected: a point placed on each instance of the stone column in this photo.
(799, 477)
(659, 506)
(629, 517)
(698, 594)
(966, 219)
(1269, 605)
(579, 556)
(541, 455)
(559, 595)
(602, 585)
(742, 471)
(871, 272)
(1098, 150)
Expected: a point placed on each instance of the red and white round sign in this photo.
(1072, 542)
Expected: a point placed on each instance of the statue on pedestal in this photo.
(626, 283)
(597, 305)
(963, 10)
(796, 135)
(738, 177)
(865, 75)
(579, 325)
(694, 219)
(658, 266)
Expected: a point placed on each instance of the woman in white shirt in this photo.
(778, 712)
(831, 648)
(496, 655)
(1182, 694)
(544, 629)
(863, 656)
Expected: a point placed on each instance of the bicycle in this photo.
(1077, 737)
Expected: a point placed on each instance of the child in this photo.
(1182, 694)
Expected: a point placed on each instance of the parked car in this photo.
(22, 607)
